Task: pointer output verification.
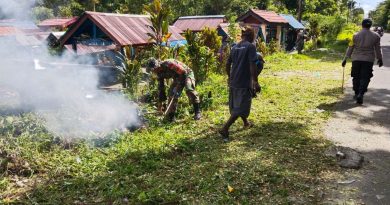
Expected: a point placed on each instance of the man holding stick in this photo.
(183, 78)
(363, 49)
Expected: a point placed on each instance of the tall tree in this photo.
(300, 10)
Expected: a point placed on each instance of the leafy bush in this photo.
(273, 47)
(262, 48)
(325, 28)
(347, 33)
(41, 13)
(200, 58)
(210, 38)
(130, 71)
(310, 45)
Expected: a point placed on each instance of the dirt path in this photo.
(367, 129)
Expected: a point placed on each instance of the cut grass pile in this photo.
(280, 160)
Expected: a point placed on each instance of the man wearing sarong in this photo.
(241, 69)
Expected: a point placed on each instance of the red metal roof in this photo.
(123, 29)
(198, 23)
(87, 49)
(268, 16)
(62, 22)
(7, 30)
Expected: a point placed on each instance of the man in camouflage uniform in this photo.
(183, 78)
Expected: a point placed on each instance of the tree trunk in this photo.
(299, 10)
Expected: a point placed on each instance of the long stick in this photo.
(342, 85)
(169, 107)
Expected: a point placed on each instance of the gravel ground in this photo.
(367, 129)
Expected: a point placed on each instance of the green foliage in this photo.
(381, 15)
(233, 29)
(159, 14)
(347, 33)
(273, 47)
(310, 45)
(200, 58)
(263, 48)
(324, 28)
(130, 71)
(210, 38)
(41, 13)
(230, 8)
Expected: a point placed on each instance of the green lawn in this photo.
(278, 161)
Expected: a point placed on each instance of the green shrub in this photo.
(347, 33)
(273, 47)
(210, 38)
(200, 58)
(129, 72)
(310, 45)
(262, 48)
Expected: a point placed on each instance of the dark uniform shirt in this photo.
(241, 57)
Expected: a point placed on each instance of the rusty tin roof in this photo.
(268, 16)
(63, 22)
(198, 23)
(123, 29)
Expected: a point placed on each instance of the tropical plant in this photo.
(159, 15)
(346, 34)
(262, 48)
(41, 13)
(200, 58)
(273, 47)
(129, 71)
(211, 39)
(234, 30)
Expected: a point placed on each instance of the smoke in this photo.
(61, 90)
(18, 9)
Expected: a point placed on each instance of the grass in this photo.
(278, 161)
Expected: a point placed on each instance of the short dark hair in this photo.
(248, 33)
(367, 23)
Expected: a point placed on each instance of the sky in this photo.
(368, 5)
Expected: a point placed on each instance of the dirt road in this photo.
(367, 129)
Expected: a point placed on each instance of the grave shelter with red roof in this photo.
(267, 24)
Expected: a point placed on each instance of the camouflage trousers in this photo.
(177, 88)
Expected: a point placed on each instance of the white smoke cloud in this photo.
(59, 89)
(19, 9)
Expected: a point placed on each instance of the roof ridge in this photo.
(263, 10)
(116, 14)
(203, 16)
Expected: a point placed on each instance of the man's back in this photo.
(241, 57)
(366, 46)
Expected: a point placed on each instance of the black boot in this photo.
(170, 117)
(356, 95)
(359, 98)
(197, 115)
